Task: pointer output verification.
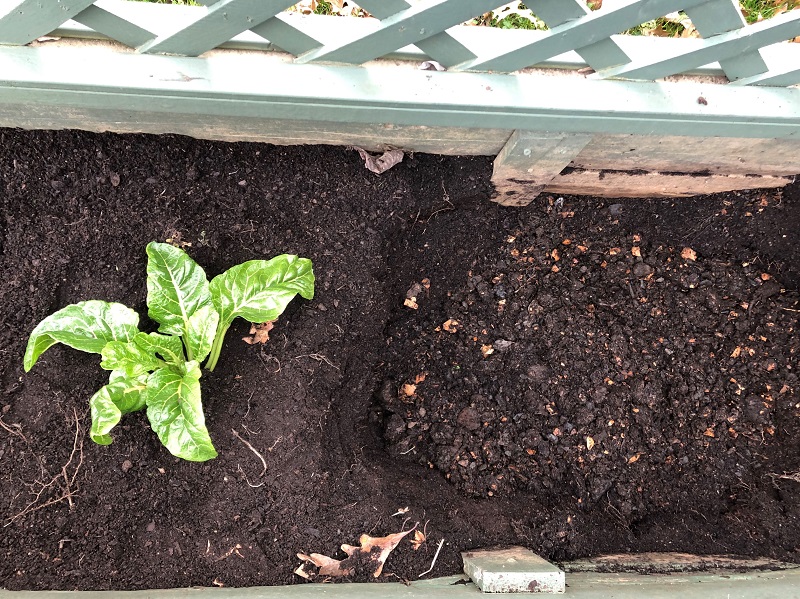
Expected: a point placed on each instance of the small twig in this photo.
(247, 480)
(435, 557)
(318, 358)
(10, 429)
(254, 450)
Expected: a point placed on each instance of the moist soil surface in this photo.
(581, 376)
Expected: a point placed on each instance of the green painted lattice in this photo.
(430, 25)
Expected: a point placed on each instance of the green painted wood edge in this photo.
(727, 45)
(747, 585)
(96, 77)
(722, 16)
(590, 29)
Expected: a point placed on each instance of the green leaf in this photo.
(176, 413)
(176, 288)
(121, 396)
(260, 290)
(201, 331)
(86, 326)
(168, 347)
(118, 355)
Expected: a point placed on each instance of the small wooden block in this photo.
(512, 570)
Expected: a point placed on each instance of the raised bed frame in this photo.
(575, 109)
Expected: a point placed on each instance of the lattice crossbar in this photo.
(433, 26)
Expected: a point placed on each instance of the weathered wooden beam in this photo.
(530, 161)
(622, 184)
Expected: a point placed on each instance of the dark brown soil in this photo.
(554, 388)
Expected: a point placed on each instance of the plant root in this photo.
(254, 450)
(64, 477)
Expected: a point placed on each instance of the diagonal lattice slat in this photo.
(580, 33)
(722, 16)
(600, 55)
(440, 47)
(102, 18)
(406, 27)
(281, 32)
(224, 20)
(721, 47)
(27, 20)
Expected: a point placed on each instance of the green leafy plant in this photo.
(161, 371)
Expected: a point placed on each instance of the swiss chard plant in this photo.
(160, 371)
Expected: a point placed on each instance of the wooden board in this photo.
(655, 185)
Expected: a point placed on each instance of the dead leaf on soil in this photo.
(688, 254)
(418, 540)
(259, 333)
(409, 390)
(373, 551)
(487, 350)
(411, 302)
(589, 443)
(380, 164)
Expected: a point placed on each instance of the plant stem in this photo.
(216, 348)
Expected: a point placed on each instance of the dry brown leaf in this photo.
(688, 254)
(380, 164)
(636, 251)
(589, 443)
(614, 251)
(487, 350)
(736, 352)
(373, 551)
(409, 390)
(327, 565)
(420, 378)
(709, 432)
(418, 540)
(259, 333)
(634, 458)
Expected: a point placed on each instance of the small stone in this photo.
(151, 527)
(114, 178)
(127, 465)
(642, 270)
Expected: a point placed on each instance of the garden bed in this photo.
(580, 376)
